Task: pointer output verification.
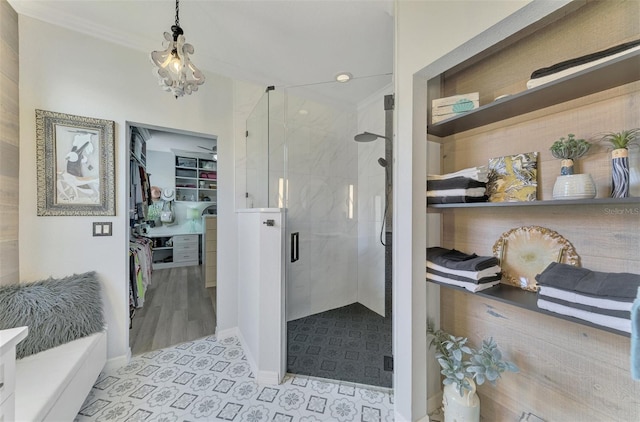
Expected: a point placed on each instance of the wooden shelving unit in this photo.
(548, 203)
(616, 72)
(619, 71)
(524, 299)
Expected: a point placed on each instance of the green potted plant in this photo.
(569, 149)
(463, 367)
(620, 142)
(569, 185)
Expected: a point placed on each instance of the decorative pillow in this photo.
(56, 311)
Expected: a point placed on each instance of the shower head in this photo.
(367, 137)
(382, 162)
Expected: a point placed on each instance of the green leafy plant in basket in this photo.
(461, 364)
(569, 149)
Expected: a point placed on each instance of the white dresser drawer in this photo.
(185, 239)
(185, 256)
(185, 247)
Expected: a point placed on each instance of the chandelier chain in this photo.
(177, 12)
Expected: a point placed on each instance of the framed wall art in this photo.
(513, 178)
(75, 160)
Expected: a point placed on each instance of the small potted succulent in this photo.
(569, 149)
(463, 367)
(569, 185)
(620, 142)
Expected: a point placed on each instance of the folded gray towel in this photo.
(619, 286)
(455, 183)
(456, 260)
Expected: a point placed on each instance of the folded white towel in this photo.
(472, 287)
(585, 300)
(619, 324)
(480, 173)
(532, 83)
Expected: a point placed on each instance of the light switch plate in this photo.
(102, 229)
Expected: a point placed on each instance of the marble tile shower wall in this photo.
(371, 180)
(340, 257)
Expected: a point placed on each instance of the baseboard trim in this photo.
(268, 377)
(118, 362)
(434, 402)
(229, 332)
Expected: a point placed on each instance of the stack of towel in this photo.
(472, 272)
(467, 185)
(568, 67)
(601, 298)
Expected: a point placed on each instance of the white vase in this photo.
(574, 186)
(461, 409)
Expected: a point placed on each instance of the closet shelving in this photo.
(614, 73)
(196, 179)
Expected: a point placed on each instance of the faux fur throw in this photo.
(56, 311)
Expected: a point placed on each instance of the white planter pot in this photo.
(574, 186)
(461, 409)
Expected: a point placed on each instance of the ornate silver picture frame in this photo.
(75, 157)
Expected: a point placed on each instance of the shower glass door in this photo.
(301, 156)
(335, 290)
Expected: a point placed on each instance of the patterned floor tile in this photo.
(210, 380)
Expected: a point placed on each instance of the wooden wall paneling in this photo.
(568, 372)
(9, 144)
(609, 245)
(596, 26)
(613, 110)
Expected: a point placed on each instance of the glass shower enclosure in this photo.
(301, 157)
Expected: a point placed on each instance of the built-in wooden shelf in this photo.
(553, 202)
(515, 296)
(616, 72)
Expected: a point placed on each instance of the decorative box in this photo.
(444, 108)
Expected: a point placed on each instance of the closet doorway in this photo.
(172, 181)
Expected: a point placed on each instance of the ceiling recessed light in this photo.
(344, 77)
(303, 112)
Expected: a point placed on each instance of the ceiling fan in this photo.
(213, 150)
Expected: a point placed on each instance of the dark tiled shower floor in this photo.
(346, 344)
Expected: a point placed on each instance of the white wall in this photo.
(420, 26)
(72, 73)
(261, 319)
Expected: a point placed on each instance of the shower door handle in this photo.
(295, 247)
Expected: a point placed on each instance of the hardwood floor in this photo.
(177, 308)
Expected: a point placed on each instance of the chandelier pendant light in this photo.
(176, 73)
